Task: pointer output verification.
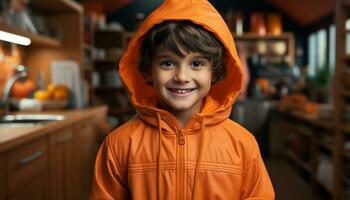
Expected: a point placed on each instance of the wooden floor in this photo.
(287, 183)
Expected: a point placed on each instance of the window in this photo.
(317, 50)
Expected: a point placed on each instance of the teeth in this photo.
(181, 91)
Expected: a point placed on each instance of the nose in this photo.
(182, 74)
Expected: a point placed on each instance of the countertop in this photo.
(13, 136)
(312, 118)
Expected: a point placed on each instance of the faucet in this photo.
(20, 72)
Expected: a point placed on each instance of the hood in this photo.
(217, 106)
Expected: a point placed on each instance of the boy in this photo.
(183, 74)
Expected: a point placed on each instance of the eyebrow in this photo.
(168, 55)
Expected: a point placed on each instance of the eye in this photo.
(197, 64)
(167, 63)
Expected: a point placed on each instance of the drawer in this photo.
(26, 163)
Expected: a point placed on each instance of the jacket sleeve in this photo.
(256, 181)
(107, 182)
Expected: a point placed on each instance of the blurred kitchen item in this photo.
(96, 81)
(278, 48)
(257, 23)
(325, 170)
(30, 105)
(139, 17)
(310, 108)
(40, 80)
(112, 78)
(99, 54)
(101, 21)
(54, 105)
(274, 24)
(325, 111)
(22, 88)
(19, 17)
(21, 72)
(234, 20)
(66, 72)
(114, 53)
(115, 26)
(238, 23)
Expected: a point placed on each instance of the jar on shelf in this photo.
(274, 24)
(257, 23)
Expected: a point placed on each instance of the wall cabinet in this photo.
(64, 18)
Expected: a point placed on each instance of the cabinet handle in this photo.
(64, 139)
(30, 158)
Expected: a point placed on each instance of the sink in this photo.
(29, 119)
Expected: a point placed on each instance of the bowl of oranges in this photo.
(53, 96)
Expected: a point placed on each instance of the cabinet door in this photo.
(34, 191)
(62, 162)
(27, 171)
(86, 147)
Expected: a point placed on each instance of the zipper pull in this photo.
(181, 138)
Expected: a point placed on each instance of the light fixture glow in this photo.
(9, 37)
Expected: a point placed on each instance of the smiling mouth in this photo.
(181, 91)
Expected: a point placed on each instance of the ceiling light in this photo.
(13, 38)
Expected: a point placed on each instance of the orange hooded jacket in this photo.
(153, 157)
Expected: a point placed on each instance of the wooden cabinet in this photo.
(310, 146)
(74, 150)
(63, 179)
(26, 171)
(58, 165)
(86, 146)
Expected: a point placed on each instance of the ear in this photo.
(213, 78)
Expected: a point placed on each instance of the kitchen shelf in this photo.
(106, 40)
(302, 131)
(299, 162)
(255, 36)
(36, 39)
(286, 38)
(57, 6)
(325, 145)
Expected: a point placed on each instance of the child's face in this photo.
(181, 82)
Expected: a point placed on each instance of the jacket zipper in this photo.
(181, 164)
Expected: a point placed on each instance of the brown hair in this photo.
(175, 34)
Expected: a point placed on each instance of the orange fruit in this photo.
(42, 95)
(60, 94)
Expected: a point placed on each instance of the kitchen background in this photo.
(61, 93)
